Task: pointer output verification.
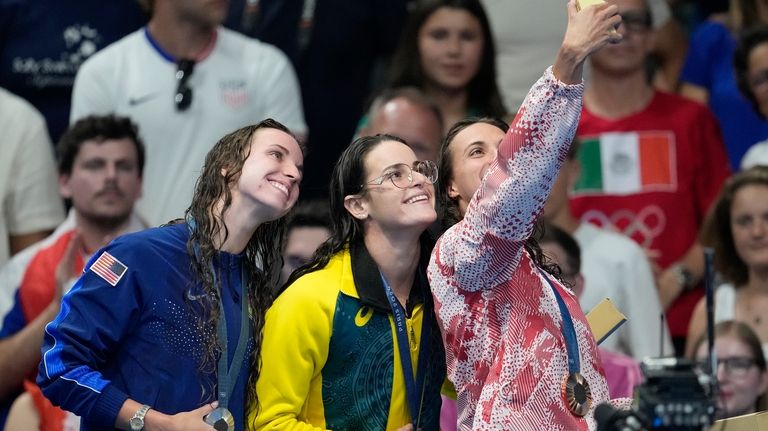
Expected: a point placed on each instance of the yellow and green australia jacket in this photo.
(329, 356)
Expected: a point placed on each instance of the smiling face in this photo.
(741, 385)
(270, 176)
(385, 206)
(104, 182)
(450, 46)
(472, 151)
(749, 226)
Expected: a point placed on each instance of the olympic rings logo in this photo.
(644, 227)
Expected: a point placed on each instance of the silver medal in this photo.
(221, 419)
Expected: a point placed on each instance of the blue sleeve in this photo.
(708, 43)
(82, 341)
(14, 321)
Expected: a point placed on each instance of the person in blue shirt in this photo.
(162, 328)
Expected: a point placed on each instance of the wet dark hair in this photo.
(347, 179)
(748, 41)
(97, 128)
(717, 232)
(482, 90)
(555, 235)
(262, 256)
(449, 208)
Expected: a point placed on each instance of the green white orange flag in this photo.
(622, 163)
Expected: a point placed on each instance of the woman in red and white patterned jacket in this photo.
(518, 347)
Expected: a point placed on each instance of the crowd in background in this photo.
(670, 154)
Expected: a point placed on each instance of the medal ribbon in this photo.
(413, 388)
(228, 377)
(569, 332)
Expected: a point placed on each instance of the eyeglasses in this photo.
(736, 366)
(401, 174)
(636, 22)
(183, 97)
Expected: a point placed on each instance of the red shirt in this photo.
(39, 283)
(653, 176)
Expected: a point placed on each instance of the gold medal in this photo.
(221, 419)
(577, 395)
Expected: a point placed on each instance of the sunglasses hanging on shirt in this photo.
(183, 97)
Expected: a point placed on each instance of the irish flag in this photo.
(622, 163)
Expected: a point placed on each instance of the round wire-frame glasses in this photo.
(401, 174)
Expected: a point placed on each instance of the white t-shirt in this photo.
(241, 82)
(756, 155)
(527, 34)
(29, 196)
(615, 267)
(725, 303)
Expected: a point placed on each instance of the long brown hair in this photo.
(482, 91)
(261, 257)
(717, 231)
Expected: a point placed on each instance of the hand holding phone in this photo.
(581, 4)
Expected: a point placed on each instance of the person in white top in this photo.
(614, 267)
(737, 229)
(186, 81)
(30, 207)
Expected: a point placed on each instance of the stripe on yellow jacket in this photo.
(329, 353)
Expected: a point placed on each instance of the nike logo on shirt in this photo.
(133, 101)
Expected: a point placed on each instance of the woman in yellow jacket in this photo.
(352, 343)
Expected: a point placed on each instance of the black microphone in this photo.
(610, 419)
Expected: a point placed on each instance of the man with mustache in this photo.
(100, 162)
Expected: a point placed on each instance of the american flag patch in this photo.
(109, 268)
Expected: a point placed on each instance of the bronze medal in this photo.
(221, 419)
(577, 395)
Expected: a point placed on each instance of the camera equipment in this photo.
(610, 419)
(674, 396)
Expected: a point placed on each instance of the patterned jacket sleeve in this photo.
(513, 192)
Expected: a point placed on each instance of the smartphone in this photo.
(581, 4)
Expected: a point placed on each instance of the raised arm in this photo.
(514, 190)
